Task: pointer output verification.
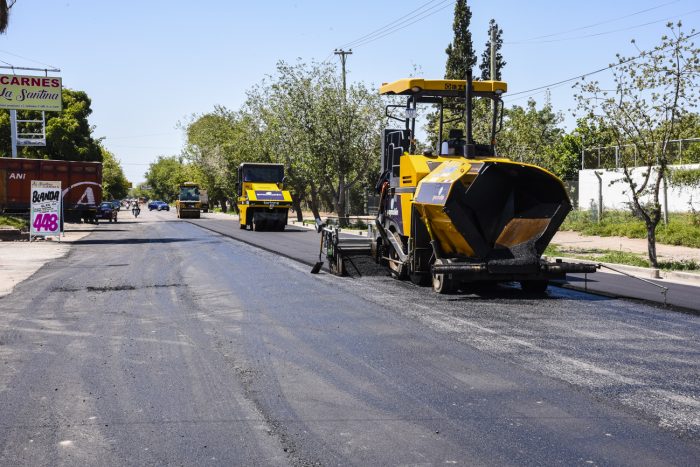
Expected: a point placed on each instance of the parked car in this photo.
(158, 206)
(106, 211)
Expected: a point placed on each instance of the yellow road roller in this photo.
(188, 204)
(263, 203)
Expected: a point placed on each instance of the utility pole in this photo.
(343, 56)
(494, 104)
(493, 54)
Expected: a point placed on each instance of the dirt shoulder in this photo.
(569, 240)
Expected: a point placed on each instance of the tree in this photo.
(5, 6)
(460, 53)
(114, 183)
(327, 140)
(68, 133)
(216, 143)
(485, 64)
(460, 58)
(652, 93)
(165, 176)
(529, 132)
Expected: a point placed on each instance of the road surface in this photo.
(159, 342)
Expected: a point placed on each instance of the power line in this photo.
(25, 58)
(392, 27)
(109, 138)
(592, 25)
(607, 32)
(399, 28)
(599, 70)
(383, 28)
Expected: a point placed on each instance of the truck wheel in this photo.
(258, 225)
(442, 283)
(534, 287)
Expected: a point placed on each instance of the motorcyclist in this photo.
(135, 209)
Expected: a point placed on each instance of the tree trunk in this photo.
(314, 201)
(296, 205)
(339, 203)
(651, 244)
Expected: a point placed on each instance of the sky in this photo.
(149, 66)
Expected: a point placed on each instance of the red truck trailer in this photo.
(81, 183)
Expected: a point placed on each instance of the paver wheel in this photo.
(442, 283)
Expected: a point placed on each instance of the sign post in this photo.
(45, 214)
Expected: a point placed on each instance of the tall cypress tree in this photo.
(460, 58)
(485, 64)
(460, 53)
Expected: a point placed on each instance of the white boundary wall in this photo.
(617, 195)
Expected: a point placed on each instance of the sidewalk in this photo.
(19, 260)
(568, 240)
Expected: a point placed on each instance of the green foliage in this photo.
(652, 94)
(684, 178)
(327, 141)
(165, 176)
(217, 142)
(563, 158)
(681, 229)
(140, 191)
(15, 222)
(528, 133)
(619, 257)
(114, 182)
(460, 53)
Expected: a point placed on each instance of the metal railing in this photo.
(686, 151)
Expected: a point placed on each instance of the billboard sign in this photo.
(19, 92)
(45, 213)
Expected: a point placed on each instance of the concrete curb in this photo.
(679, 277)
(11, 235)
